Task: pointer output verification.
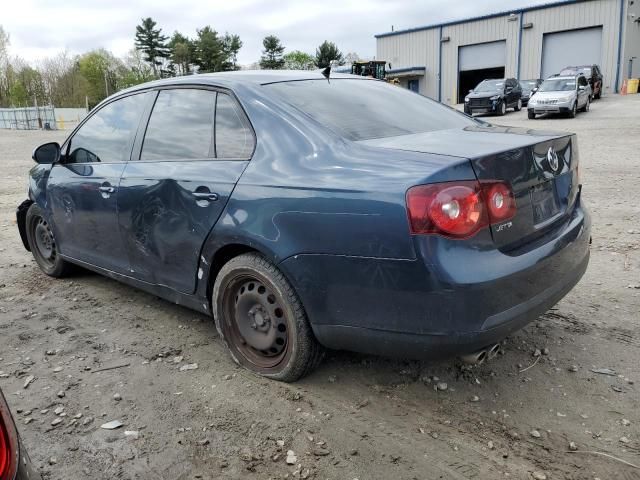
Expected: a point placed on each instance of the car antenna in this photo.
(326, 72)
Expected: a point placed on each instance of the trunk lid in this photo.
(541, 168)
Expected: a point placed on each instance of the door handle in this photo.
(208, 196)
(106, 189)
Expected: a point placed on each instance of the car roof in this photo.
(564, 77)
(243, 77)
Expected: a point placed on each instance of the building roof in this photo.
(482, 17)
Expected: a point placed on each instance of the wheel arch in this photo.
(21, 219)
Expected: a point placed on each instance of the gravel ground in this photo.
(356, 416)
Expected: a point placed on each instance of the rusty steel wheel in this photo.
(261, 319)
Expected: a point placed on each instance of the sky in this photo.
(42, 28)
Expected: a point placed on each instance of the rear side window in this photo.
(107, 136)
(365, 109)
(234, 138)
(181, 126)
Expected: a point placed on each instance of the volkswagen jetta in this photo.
(304, 212)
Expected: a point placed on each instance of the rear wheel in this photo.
(43, 244)
(518, 106)
(531, 114)
(262, 321)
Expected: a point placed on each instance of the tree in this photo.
(4, 64)
(231, 45)
(182, 53)
(210, 55)
(272, 54)
(298, 60)
(351, 57)
(327, 53)
(102, 71)
(152, 43)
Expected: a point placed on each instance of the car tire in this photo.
(467, 111)
(262, 321)
(518, 106)
(502, 109)
(43, 245)
(531, 114)
(574, 110)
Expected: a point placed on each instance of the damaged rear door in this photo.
(196, 145)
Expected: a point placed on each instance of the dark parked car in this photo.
(529, 87)
(14, 461)
(494, 96)
(592, 73)
(304, 212)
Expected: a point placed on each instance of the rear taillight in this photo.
(8, 443)
(458, 209)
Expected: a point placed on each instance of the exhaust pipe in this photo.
(493, 351)
(476, 358)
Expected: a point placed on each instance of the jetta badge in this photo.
(552, 158)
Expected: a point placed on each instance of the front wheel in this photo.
(531, 114)
(42, 244)
(518, 106)
(262, 321)
(502, 109)
(574, 110)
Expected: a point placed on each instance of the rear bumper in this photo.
(453, 302)
(411, 345)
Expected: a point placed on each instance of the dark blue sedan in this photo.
(304, 212)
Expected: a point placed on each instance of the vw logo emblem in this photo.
(552, 158)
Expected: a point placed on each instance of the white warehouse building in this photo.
(443, 61)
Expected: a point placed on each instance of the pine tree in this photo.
(152, 43)
(272, 55)
(326, 53)
(210, 55)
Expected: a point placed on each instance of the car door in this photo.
(82, 189)
(196, 145)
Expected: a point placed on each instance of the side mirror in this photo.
(534, 90)
(47, 153)
(471, 91)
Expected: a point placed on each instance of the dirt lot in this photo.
(356, 416)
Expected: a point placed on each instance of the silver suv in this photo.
(561, 94)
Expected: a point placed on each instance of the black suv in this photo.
(494, 96)
(592, 73)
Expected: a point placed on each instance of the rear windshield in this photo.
(558, 85)
(366, 109)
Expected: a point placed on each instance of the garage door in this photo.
(482, 55)
(575, 47)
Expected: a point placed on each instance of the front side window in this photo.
(181, 126)
(366, 109)
(107, 136)
(234, 138)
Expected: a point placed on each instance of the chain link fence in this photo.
(29, 118)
